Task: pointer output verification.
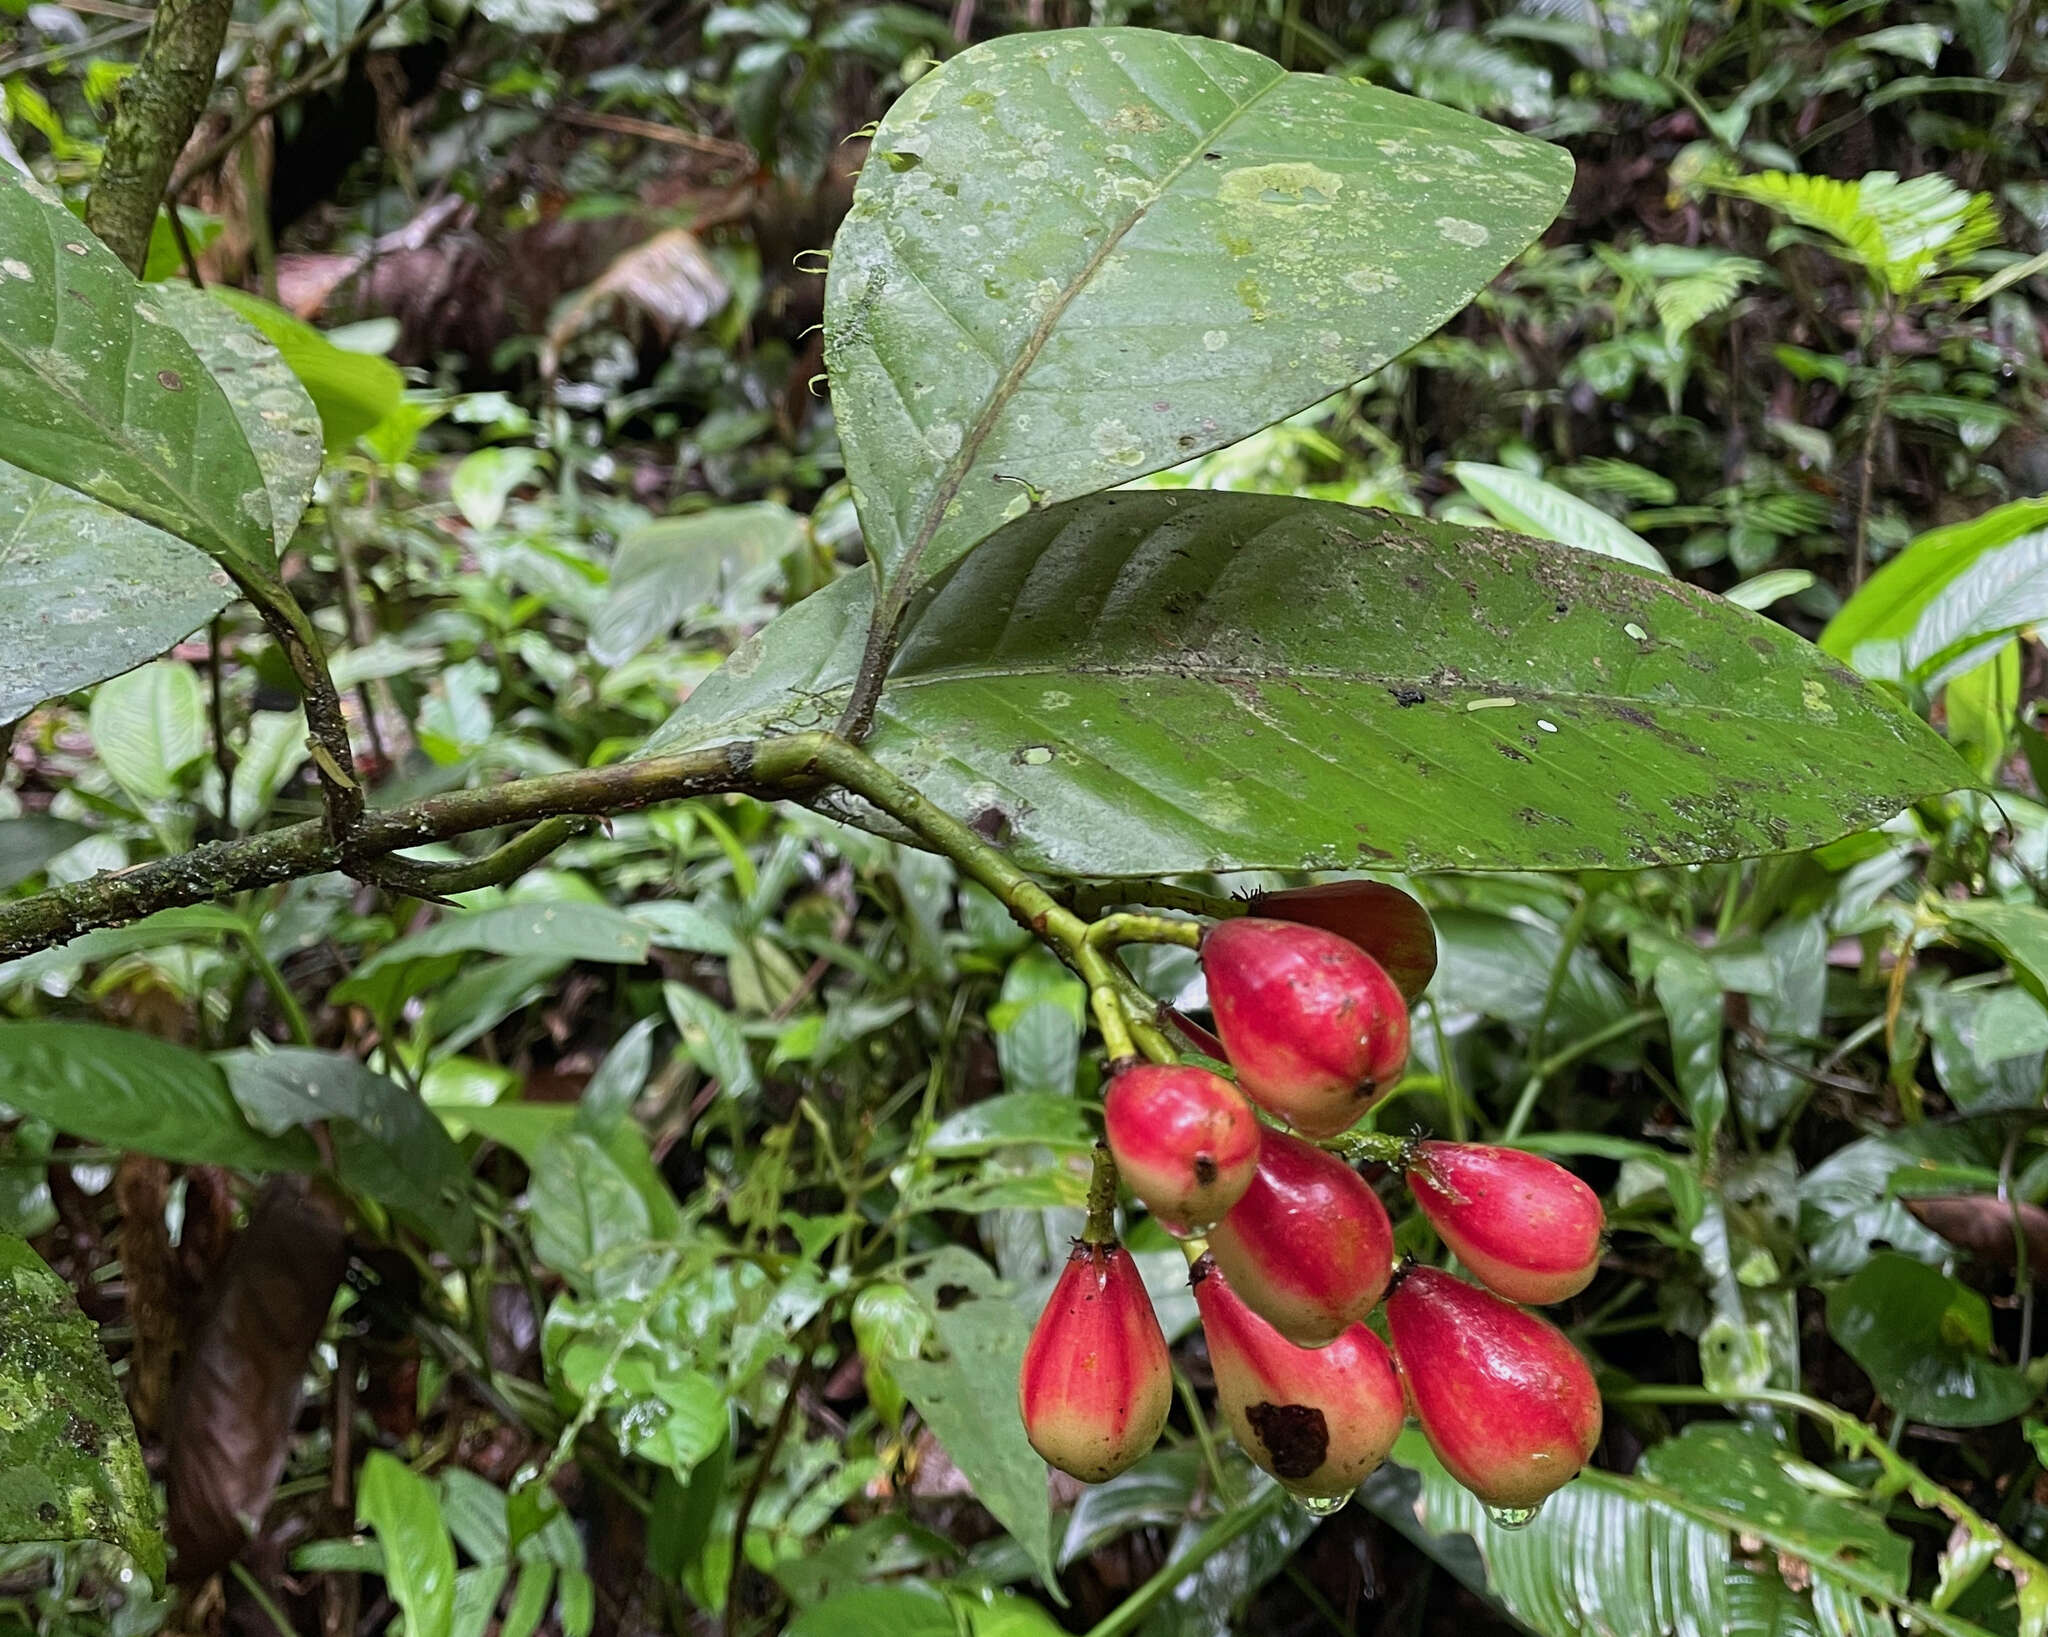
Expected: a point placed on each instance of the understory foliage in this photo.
(647, 1238)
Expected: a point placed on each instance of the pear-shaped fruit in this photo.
(1096, 1383)
(1308, 1247)
(1526, 1228)
(1313, 1025)
(1185, 1140)
(1319, 1419)
(1505, 1400)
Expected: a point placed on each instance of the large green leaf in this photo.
(419, 1553)
(266, 394)
(70, 1469)
(1528, 505)
(1925, 1342)
(1077, 256)
(132, 1092)
(387, 1143)
(1610, 1556)
(86, 591)
(99, 391)
(1888, 605)
(1145, 683)
(148, 726)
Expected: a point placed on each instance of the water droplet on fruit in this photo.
(1322, 1506)
(1513, 1517)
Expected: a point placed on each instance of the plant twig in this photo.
(159, 105)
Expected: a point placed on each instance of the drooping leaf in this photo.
(269, 399)
(70, 1469)
(387, 1143)
(86, 592)
(419, 1555)
(1078, 256)
(2004, 591)
(351, 392)
(969, 1397)
(238, 1391)
(133, 1092)
(148, 726)
(1925, 1342)
(99, 391)
(1528, 505)
(1888, 605)
(1147, 683)
(673, 566)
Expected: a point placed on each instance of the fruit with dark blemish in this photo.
(1525, 1227)
(1097, 1382)
(1308, 1247)
(1505, 1400)
(1319, 1419)
(1314, 1027)
(1185, 1140)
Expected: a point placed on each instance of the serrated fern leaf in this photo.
(1901, 233)
(1462, 71)
(1683, 302)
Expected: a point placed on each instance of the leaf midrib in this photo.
(903, 581)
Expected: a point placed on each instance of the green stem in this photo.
(280, 991)
(1112, 930)
(1564, 1057)
(1133, 1610)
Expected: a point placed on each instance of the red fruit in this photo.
(1313, 1025)
(1504, 1399)
(1185, 1140)
(1526, 1228)
(1318, 1419)
(1096, 1383)
(1309, 1247)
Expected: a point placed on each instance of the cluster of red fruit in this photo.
(1300, 1250)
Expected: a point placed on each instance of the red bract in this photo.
(1318, 1419)
(1309, 1247)
(1185, 1140)
(1505, 1400)
(1313, 1025)
(1385, 922)
(1526, 1228)
(1096, 1383)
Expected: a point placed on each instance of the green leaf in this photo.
(277, 416)
(2018, 932)
(1015, 1117)
(133, 1092)
(387, 1143)
(1078, 256)
(86, 591)
(1761, 590)
(351, 392)
(2003, 592)
(969, 1398)
(274, 750)
(99, 391)
(1889, 604)
(1653, 1552)
(335, 20)
(483, 481)
(70, 1468)
(563, 929)
(194, 923)
(148, 727)
(28, 843)
(878, 1611)
(1148, 683)
(1900, 233)
(419, 1557)
(1925, 1342)
(589, 1221)
(670, 568)
(1528, 505)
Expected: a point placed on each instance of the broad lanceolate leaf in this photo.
(1528, 505)
(70, 1469)
(130, 1091)
(86, 591)
(1078, 256)
(1889, 604)
(99, 391)
(419, 1554)
(387, 1143)
(351, 392)
(1146, 683)
(148, 726)
(1925, 1342)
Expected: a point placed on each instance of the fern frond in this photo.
(1901, 233)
